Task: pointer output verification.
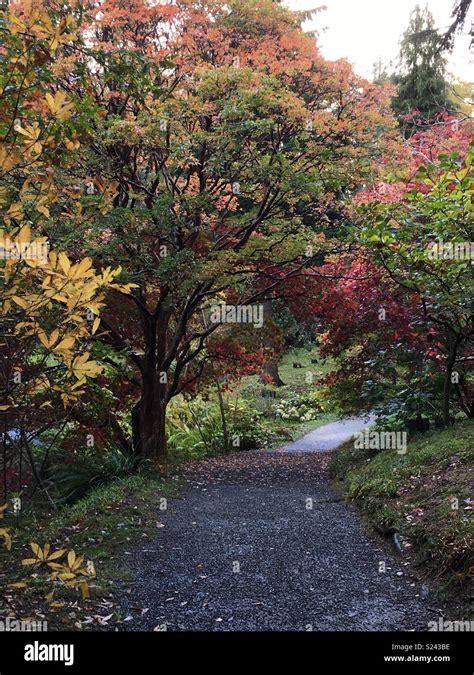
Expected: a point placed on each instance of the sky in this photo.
(363, 30)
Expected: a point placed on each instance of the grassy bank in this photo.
(424, 494)
(103, 526)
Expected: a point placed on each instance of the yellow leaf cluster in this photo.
(5, 531)
(37, 23)
(58, 106)
(72, 572)
(42, 555)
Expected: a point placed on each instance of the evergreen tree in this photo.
(422, 80)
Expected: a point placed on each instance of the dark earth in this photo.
(259, 541)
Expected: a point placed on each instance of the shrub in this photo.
(298, 408)
(195, 429)
(73, 475)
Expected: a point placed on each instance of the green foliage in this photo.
(74, 475)
(422, 84)
(298, 407)
(400, 402)
(297, 332)
(195, 429)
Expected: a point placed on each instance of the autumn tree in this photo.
(222, 136)
(423, 244)
(378, 302)
(372, 332)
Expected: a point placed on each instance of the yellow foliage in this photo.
(42, 555)
(79, 290)
(5, 531)
(73, 572)
(58, 106)
(32, 132)
(5, 534)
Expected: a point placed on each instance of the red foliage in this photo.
(445, 134)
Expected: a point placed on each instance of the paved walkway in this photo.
(329, 436)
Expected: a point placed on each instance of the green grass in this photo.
(295, 383)
(416, 493)
(295, 378)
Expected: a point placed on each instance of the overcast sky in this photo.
(363, 30)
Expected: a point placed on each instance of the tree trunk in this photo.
(149, 416)
(270, 368)
(465, 397)
(225, 431)
(448, 384)
(149, 420)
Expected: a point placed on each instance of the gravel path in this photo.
(258, 541)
